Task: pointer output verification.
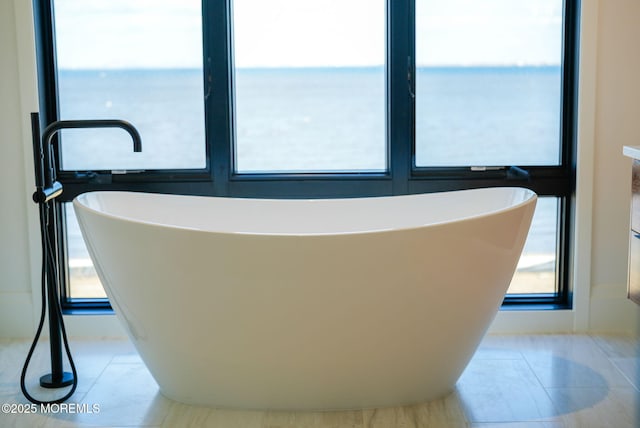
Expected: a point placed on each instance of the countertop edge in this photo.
(631, 151)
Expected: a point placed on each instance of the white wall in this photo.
(610, 118)
(617, 123)
(15, 260)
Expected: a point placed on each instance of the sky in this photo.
(107, 34)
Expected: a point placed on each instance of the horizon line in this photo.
(354, 67)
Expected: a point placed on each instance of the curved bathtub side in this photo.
(307, 322)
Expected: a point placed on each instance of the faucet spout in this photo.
(54, 127)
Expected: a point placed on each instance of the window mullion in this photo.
(400, 89)
(218, 62)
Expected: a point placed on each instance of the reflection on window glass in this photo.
(309, 85)
(536, 271)
(137, 61)
(488, 82)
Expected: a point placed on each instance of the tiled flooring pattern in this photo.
(532, 381)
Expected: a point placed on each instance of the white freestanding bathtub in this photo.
(306, 304)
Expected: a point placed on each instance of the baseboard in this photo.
(91, 326)
(532, 322)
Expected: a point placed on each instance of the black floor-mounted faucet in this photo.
(47, 189)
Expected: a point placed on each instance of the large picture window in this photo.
(317, 98)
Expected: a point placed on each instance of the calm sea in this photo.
(321, 119)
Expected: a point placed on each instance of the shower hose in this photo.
(49, 271)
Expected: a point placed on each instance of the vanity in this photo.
(634, 232)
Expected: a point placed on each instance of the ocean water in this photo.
(316, 119)
(319, 120)
(488, 116)
(166, 106)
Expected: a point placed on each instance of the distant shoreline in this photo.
(438, 68)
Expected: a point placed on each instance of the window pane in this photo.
(536, 271)
(309, 85)
(488, 82)
(139, 61)
(83, 279)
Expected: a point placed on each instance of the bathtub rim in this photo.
(528, 196)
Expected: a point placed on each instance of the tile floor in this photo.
(532, 381)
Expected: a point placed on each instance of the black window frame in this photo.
(401, 177)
